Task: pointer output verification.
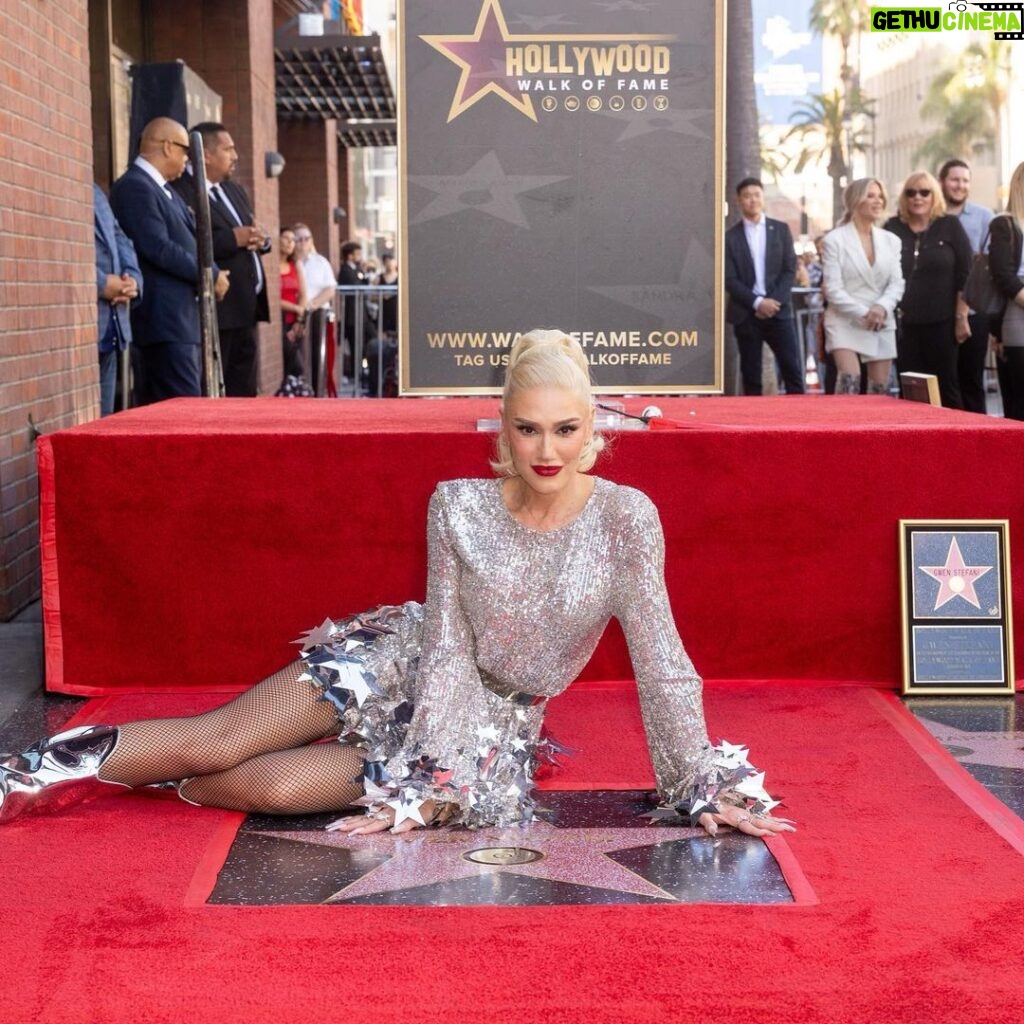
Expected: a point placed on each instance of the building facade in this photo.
(64, 122)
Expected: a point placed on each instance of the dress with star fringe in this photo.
(447, 699)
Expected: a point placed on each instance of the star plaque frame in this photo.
(957, 618)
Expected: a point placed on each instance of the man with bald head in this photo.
(165, 324)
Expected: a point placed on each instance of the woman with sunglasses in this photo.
(936, 261)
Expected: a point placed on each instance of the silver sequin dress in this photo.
(511, 617)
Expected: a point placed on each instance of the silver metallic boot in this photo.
(56, 772)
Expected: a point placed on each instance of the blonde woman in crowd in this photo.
(863, 282)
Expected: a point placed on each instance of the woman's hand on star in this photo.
(760, 825)
(381, 821)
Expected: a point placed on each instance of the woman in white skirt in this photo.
(1006, 261)
(863, 282)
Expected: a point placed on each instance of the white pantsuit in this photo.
(853, 286)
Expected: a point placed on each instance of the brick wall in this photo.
(48, 367)
(309, 185)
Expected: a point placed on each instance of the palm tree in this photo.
(967, 101)
(844, 19)
(742, 144)
(831, 127)
(773, 162)
(964, 126)
(742, 137)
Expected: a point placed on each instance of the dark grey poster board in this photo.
(562, 166)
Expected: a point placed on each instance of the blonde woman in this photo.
(936, 262)
(863, 281)
(447, 699)
(1006, 262)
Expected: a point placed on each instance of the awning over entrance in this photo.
(336, 76)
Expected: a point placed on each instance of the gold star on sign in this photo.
(480, 56)
(483, 60)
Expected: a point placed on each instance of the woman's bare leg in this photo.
(309, 780)
(878, 376)
(279, 713)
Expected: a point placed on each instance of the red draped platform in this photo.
(185, 544)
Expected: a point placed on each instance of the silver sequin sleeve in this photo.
(450, 704)
(457, 721)
(669, 688)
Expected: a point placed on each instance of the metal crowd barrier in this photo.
(366, 298)
(807, 308)
(314, 350)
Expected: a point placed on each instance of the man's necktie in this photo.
(218, 196)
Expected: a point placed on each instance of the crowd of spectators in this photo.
(875, 293)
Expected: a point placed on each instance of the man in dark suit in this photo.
(237, 245)
(118, 285)
(165, 324)
(760, 263)
(351, 272)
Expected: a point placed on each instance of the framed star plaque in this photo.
(957, 616)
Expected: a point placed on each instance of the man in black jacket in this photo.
(238, 243)
(760, 263)
(352, 273)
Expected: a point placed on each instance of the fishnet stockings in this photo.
(322, 777)
(245, 751)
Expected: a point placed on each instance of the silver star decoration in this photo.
(730, 756)
(350, 672)
(573, 855)
(752, 788)
(487, 733)
(318, 635)
(485, 187)
(373, 794)
(679, 122)
(408, 806)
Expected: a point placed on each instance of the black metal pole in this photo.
(213, 372)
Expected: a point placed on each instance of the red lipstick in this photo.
(546, 470)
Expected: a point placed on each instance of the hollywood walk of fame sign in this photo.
(956, 607)
(561, 166)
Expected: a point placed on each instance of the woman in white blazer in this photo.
(863, 282)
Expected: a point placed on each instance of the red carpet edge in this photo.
(989, 808)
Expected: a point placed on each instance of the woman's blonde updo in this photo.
(543, 358)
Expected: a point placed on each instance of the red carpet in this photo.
(185, 544)
(918, 919)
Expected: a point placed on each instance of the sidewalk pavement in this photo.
(21, 659)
